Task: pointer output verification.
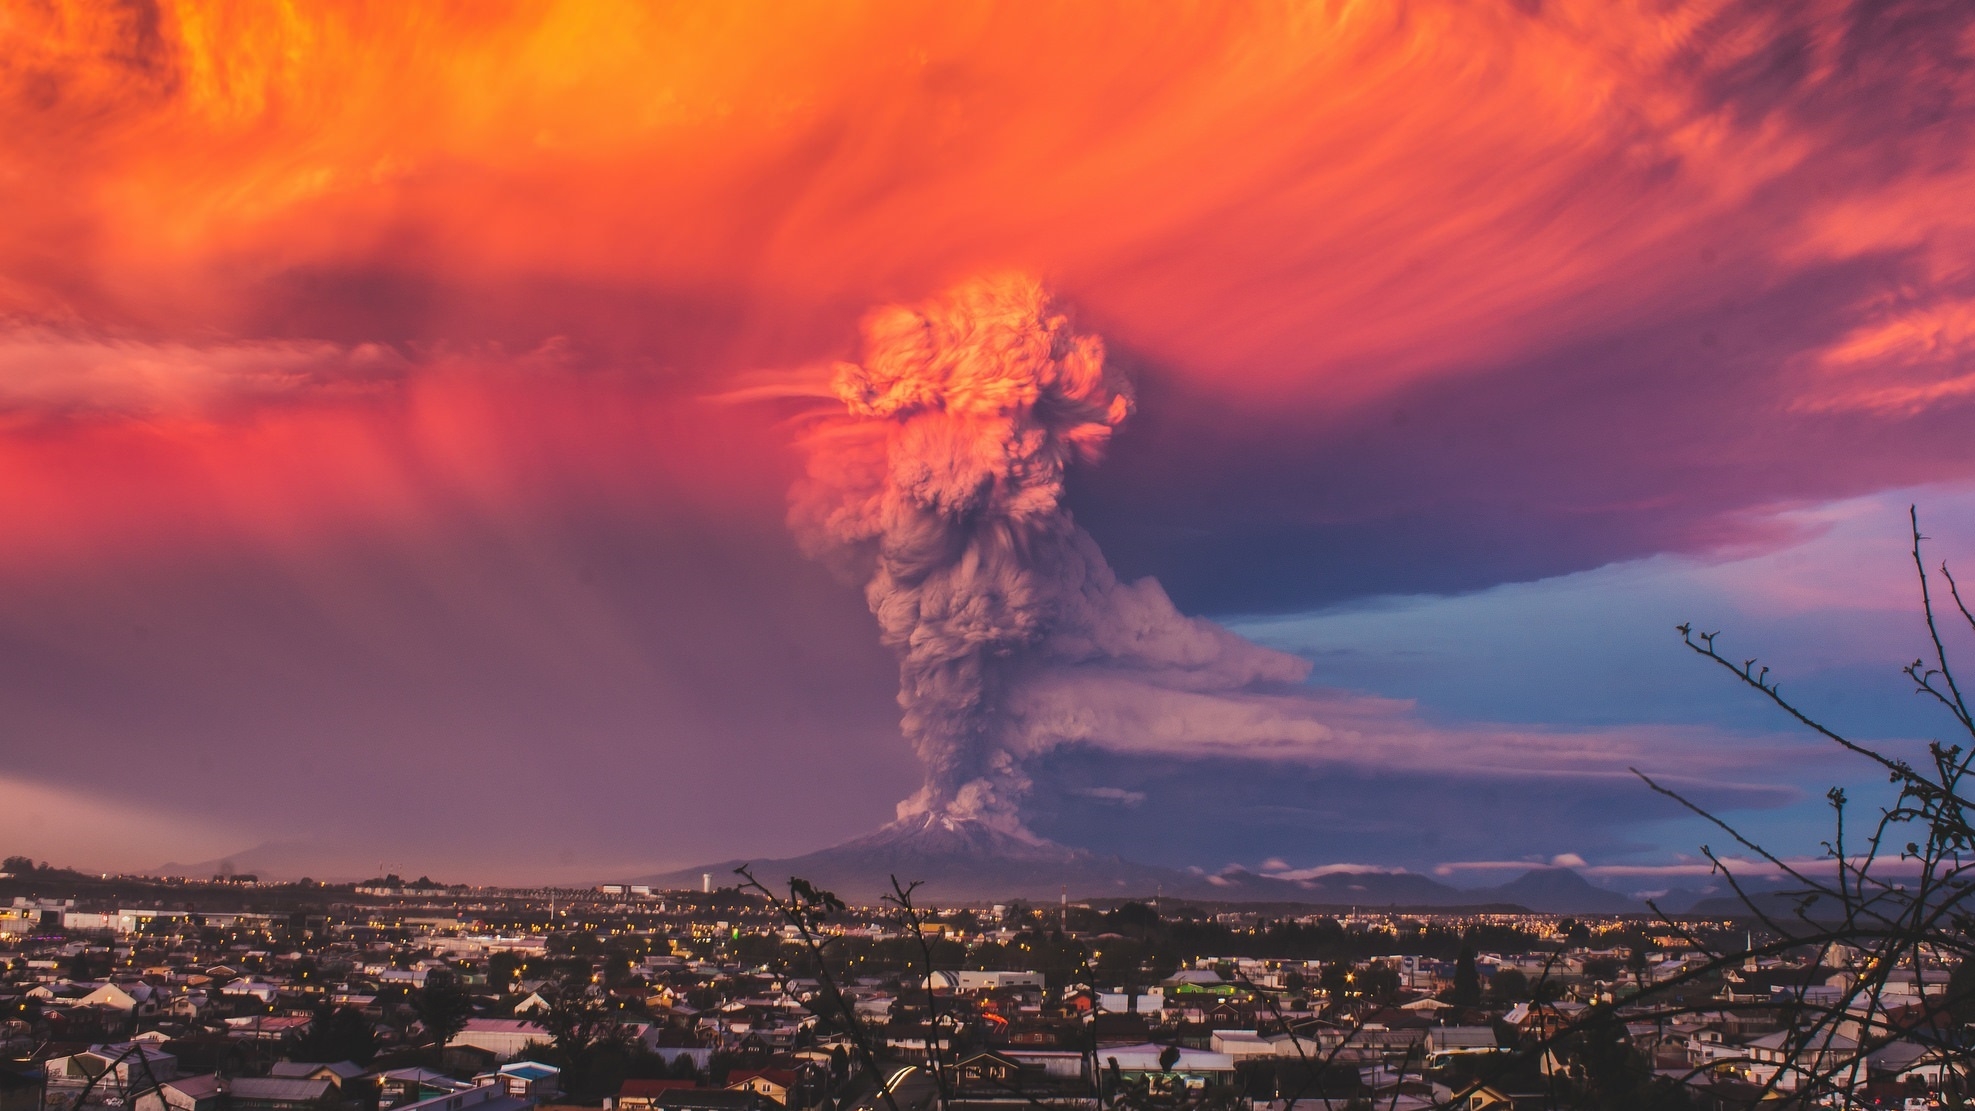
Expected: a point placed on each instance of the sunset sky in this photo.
(375, 489)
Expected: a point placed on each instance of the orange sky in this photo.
(215, 207)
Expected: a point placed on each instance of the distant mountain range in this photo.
(277, 860)
(965, 861)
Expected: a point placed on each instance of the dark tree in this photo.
(337, 1034)
(1378, 981)
(502, 968)
(1467, 980)
(1509, 986)
(442, 1008)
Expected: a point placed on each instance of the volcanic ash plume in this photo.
(940, 487)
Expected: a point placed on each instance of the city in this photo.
(186, 995)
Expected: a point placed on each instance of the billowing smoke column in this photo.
(940, 487)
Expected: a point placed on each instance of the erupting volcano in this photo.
(936, 480)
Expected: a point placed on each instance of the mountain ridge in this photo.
(956, 860)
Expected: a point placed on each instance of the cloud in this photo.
(1278, 869)
(1365, 348)
(1457, 867)
(1116, 795)
(1117, 710)
(46, 373)
(100, 830)
(1907, 359)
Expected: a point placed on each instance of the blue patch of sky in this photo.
(1833, 608)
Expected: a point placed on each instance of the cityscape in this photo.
(198, 994)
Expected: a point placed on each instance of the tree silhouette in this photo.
(1467, 980)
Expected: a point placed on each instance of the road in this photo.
(912, 1089)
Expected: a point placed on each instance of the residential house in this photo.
(279, 1093)
(642, 1095)
(1446, 1041)
(187, 1093)
(1004, 1074)
(708, 1099)
(415, 1085)
(125, 1067)
(1191, 1070)
(771, 1084)
(526, 1079)
(505, 1038)
(339, 1073)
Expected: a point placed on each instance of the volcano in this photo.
(959, 860)
(956, 859)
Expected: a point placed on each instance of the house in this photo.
(1058, 1065)
(339, 1073)
(276, 1093)
(187, 1093)
(484, 1097)
(965, 980)
(126, 1067)
(1484, 1097)
(415, 1085)
(1426, 1005)
(772, 1084)
(505, 1038)
(1166, 1069)
(642, 1095)
(1129, 1002)
(999, 1075)
(1241, 1044)
(260, 989)
(268, 1028)
(530, 1080)
(1787, 1059)
(709, 1099)
(1442, 1041)
(134, 997)
(989, 1071)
